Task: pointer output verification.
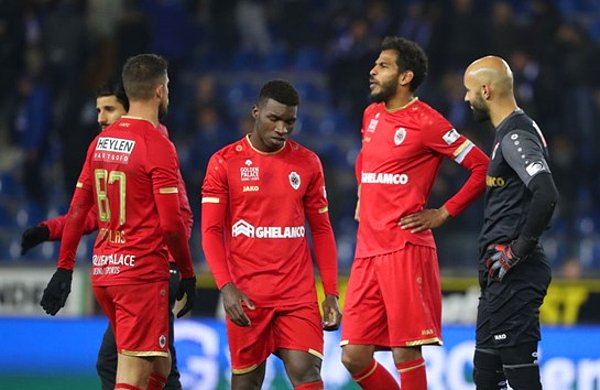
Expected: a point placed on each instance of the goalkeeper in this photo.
(520, 198)
(111, 104)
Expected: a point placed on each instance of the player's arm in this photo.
(531, 166)
(163, 166)
(469, 156)
(215, 201)
(52, 230)
(56, 292)
(358, 174)
(324, 247)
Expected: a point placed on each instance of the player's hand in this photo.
(500, 259)
(232, 302)
(34, 236)
(187, 287)
(56, 292)
(332, 317)
(425, 220)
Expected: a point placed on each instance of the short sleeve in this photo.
(524, 153)
(215, 188)
(316, 193)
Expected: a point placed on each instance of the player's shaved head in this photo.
(492, 71)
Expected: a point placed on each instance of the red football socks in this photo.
(127, 386)
(157, 382)
(412, 374)
(375, 377)
(318, 385)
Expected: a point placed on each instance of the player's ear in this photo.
(254, 112)
(486, 91)
(406, 77)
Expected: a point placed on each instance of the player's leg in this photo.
(364, 326)
(514, 307)
(251, 380)
(173, 382)
(298, 340)
(487, 364)
(142, 330)
(520, 365)
(302, 368)
(249, 348)
(410, 287)
(106, 364)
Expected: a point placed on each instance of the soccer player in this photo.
(111, 104)
(520, 198)
(393, 299)
(257, 195)
(130, 174)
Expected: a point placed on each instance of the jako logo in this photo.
(242, 227)
(501, 336)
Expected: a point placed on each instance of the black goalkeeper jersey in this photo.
(519, 153)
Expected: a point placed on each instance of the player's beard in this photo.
(163, 109)
(388, 90)
(481, 112)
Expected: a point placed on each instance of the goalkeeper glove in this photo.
(34, 236)
(500, 259)
(187, 287)
(58, 289)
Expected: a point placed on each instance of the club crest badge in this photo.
(399, 136)
(294, 180)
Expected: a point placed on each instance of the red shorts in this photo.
(394, 300)
(138, 315)
(296, 327)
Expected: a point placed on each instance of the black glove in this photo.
(34, 236)
(57, 291)
(500, 259)
(187, 287)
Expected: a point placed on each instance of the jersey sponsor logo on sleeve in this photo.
(384, 178)
(399, 136)
(294, 180)
(451, 136)
(110, 149)
(243, 228)
(535, 167)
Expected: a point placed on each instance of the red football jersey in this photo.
(127, 165)
(267, 197)
(400, 157)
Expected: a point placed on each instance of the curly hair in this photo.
(410, 57)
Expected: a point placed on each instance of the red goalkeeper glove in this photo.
(500, 259)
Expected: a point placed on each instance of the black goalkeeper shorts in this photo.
(509, 312)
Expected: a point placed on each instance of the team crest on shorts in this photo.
(399, 136)
(162, 341)
(294, 180)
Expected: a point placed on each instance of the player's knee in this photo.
(303, 370)
(355, 358)
(520, 364)
(487, 371)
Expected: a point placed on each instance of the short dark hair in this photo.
(114, 88)
(142, 73)
(279, 90)
(410, 57)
